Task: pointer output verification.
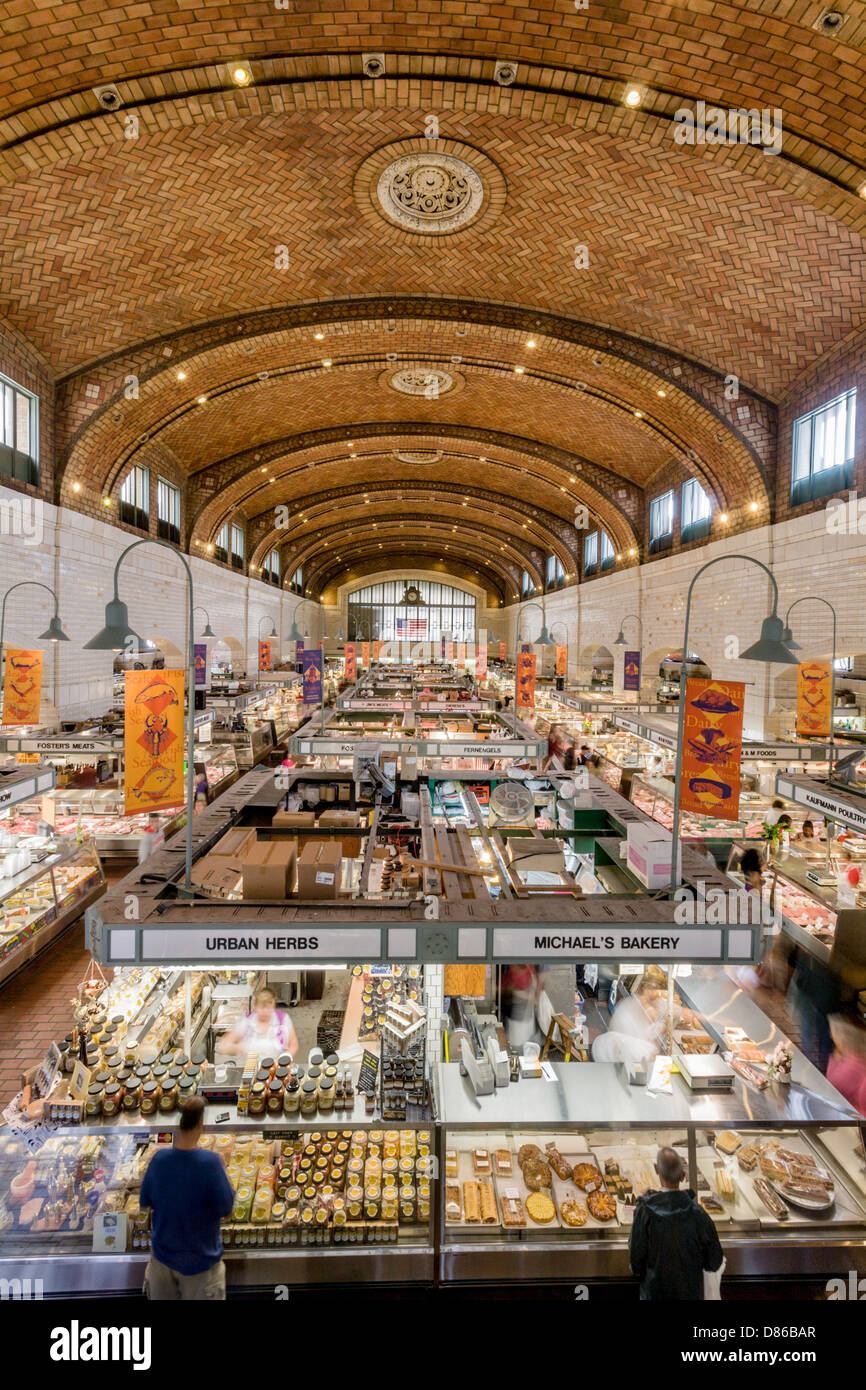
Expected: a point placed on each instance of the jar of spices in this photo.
(175, 1072)
(284, 1060)
(166, 1058)
(258, 1100)
(181, 1060)
(132, 1095)
(112, 1100)
(309, 1098)
(159, 1073)
(281, 1074)
(150, 1094)
(102, 1077)
(142, 1071)
(198, 1059)
(186, 1087)
(292, 1097)
(275, 1098)
(168, 1099)
(267, 1064)
(326, 1095)
(263, 1075)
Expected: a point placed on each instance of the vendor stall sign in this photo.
(153, 740)
(562, 661)
(351, 662)
(525, 680)
(253, 942)
(712, 743)
(814, 689)
(571, 942)
(22, 687)
(200, 655)
(312, 678)
(631, 671)
(299, 651)
(264, 656)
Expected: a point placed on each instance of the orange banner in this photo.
(814, 690)
(449, 651)
(461, 656)
(264, 656)
(365, 653)
(562, 661)
(377, 650)
(153, 740)
(351, 671)
(712, 745)
(525, 679)
(22, 687)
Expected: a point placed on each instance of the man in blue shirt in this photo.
(188, 1193)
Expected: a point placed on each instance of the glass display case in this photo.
(95, 813)
(220, 764)
(314, 1202)
(40, 899)
(655, 797)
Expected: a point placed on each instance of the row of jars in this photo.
(150, 1090)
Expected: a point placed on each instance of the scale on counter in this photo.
(824, 878)
(704, 1071)
(224, 1090)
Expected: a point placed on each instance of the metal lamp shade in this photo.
(54, 632)
(116, 633)
(770, 646)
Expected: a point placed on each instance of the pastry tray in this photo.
(564, 1188)
(741, 1210)
(842, 1145)
(466, 1173)
(635, 1163)
(845, 1210)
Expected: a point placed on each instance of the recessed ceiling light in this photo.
(619, 557)
(633, 96)
(661, 393)
(242, 74)
(753, 506)
(76, 487)
(326, 361)
(201, 399)
(106, 501)
(210, 547)
(723, 516)
(639, 414)
(530, 342)
(518, 370)
(264, 470)
(482, 459)
(632, 552)
(318, 337)
(181, 376)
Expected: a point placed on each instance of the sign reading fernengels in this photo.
(575, 942)
(244, 941)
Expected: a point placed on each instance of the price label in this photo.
(369, 1073)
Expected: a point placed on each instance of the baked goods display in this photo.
(513, 1213)
(536, 1174)
(527, 1151)
(488, 1203)
(771, 1200)
(747, 1158)
(728, 1141)
(587, 1175)
(725, 1185)
(502, 1164)
(561, 1168)
(540, 1208)
(481, 1162)
(573, 1212)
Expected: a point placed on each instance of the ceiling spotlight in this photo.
(201, 399)
(661, 393)
(753, 506)
(518, 370)
(106, 501)
(633, 96)
(531, 343)
(723, 517)
(632, 553)
(326, 361)
(181, 376)
(639, 414)
(619, 557)
(242, 74)
(318, 337)
(76, 487)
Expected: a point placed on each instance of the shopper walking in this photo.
(846, 1069)
(188, 1194)
(673, 1241)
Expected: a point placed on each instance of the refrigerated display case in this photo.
(39, 901)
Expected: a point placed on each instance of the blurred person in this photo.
(189, 1194)
(815, 993)
(519, 987)
(846, 1069)
(151, 839)
(201, 790)
(752, 870)
(555, 743)
(773, 812)
(266, 1030)
(632, 1036)
(806, 832)
(569, 756)
(673, 1241)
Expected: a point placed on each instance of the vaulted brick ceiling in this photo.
(239, 224)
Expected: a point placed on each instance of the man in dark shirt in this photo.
(188, 1193)
(673, 1240)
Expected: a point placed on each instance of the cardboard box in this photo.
(344, 791)
(320, 869)
(535, 852)
(648, 854)
(294, 820)
(344, 820)
(234, 844)
(217, 874)
(328, 793)
(269, 869)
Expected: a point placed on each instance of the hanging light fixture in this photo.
(54, 632)
(770, 646)
(117, 633)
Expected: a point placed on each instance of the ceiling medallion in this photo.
(431, 382)
(430, 192)
(418, 455)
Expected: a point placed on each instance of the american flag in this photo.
(412, 627)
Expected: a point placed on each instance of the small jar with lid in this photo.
(275, 1098)
(93, 1102)
(166, 1057)
(389, 1206)
(309, 1097)
(372, 1203)
(143, 1071)
(113, 1061)
(281, 1074)
(175, 1073)
(112, 1100)
(181, 1060)
(150, 1094)
(159, 1073)
(268, 1064)
(292, 1097)
(102, 1077)
(168, 1099)
(263, 1075)
(186, 1087)
(131, 1095)
(313, 1073)
(198, 1059)
(284, 1059)
(326, 1095)
(257, 1104)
